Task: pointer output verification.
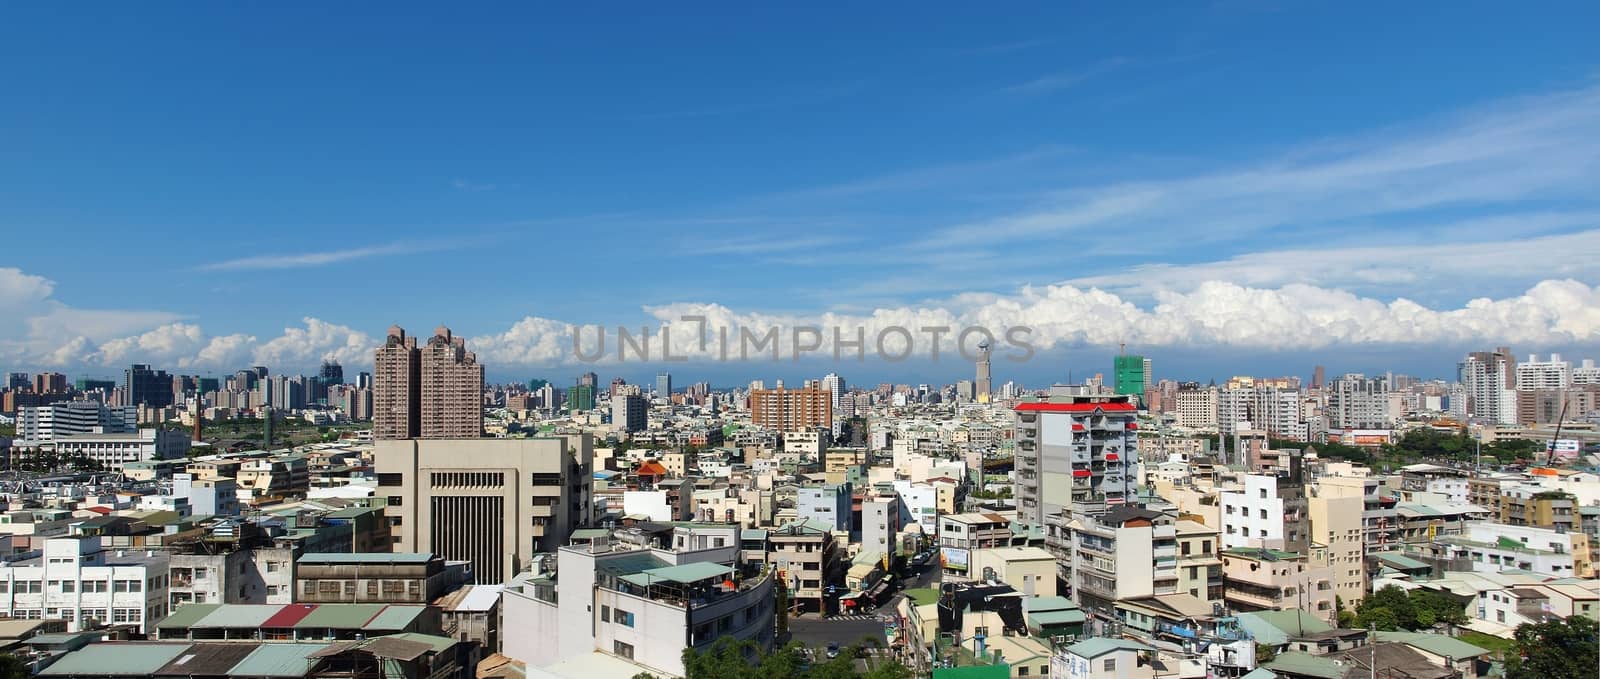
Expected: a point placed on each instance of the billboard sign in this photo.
(955, 559)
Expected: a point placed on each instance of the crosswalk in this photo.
(863, 616)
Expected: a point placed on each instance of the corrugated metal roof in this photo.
(340, 616)
(394, 618)
(362, 557)
(206, 659)
(684, 573)
(289, 615)
(119, 659)
(187, 616)
(288, 659)
(237, 615)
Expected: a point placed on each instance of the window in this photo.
(1263, 513)
(390, 479)
(1110, 665)
(1263, 493)
(605, 614)
(624, 618)
(272, 566)
(69, 586)
(272, 590)
(1022, 671)
(622, 650)
(372, 588)
(397, 500)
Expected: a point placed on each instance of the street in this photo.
(817, 633)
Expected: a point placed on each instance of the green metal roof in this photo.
(437, 642)
(278, 660)
(186, 616)
(1437, 644)
(685, 573)
(1401, 561)
(589, 533)
(1099, 646)
(1277, 627)
(394, 618)
(1305, 664)
(367, 557)
(119, 659)
(238, 615)
(339, 616)
(1050, 603)
(1061, 617)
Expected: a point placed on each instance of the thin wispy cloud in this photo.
(325, 257)
(770, 246)
(1061, 80)
(1503, 155)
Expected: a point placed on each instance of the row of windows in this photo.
(624, 618)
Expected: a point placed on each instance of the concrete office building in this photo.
(1549, 374)
(828, 505)
(1075, 452)
(664, 386)
(1197, 408)
(492, 502)
(791, 409)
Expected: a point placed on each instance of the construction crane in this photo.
(1550, 454)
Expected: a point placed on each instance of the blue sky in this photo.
(184, 182)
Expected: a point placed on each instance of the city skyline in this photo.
(1189, 178)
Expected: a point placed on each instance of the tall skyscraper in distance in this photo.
(397, 388)
(835, 386)
(331, 373)
(1318, 377)
(983, 385)
(452, 389)
(1490, 382)
(664, 385)
(1129, 372)
(590, 380)
(145, 386)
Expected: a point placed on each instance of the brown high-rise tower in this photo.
(396, 387)
(452, 389)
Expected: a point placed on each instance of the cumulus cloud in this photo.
(1293, 317)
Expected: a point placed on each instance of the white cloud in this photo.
(1390, 267)
(325, 257)
(318, 340)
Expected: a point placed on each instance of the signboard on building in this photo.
(1563, 449)
(955, 559)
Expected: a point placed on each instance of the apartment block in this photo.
(1074, 452)
(792, 409)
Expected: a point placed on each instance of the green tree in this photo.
(12, 668)
(1264, 654)
(1387, 610)
(1559, 649)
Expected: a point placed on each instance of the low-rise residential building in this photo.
(643, 605)
(75, 579)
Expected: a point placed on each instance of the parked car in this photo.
(833, 650)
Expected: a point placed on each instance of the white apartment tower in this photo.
(1490, 382)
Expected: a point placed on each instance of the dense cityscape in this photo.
(1163, 340)
(413, 517)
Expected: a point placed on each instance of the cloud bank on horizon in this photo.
(1296, 316)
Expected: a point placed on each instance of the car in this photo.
(833, 650)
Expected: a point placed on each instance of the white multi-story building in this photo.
(75, 579)
(1535, 374)
(1270, 512)
(114, 450)
(1489, 381)
(1356, 402)
(641, 605)
(1587, 373)
(1197, 408)
(38, 424)
(880, 522)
